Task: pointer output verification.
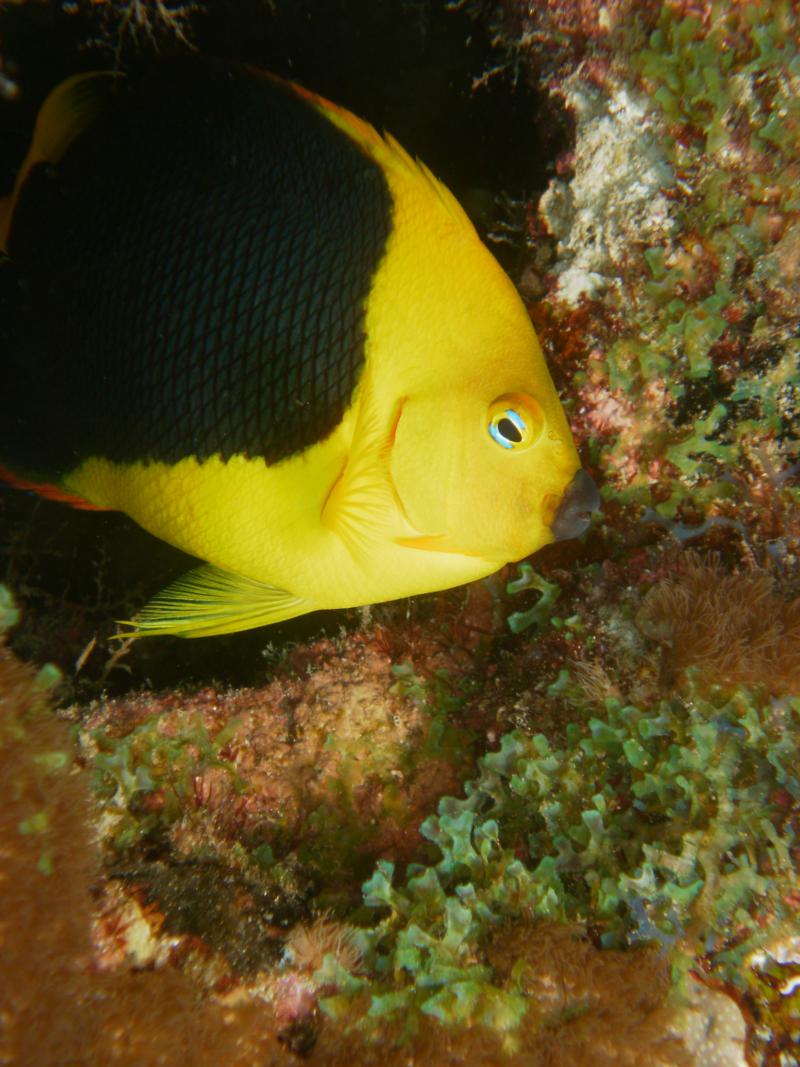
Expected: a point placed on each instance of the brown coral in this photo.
(333, 764)
(733, 628)
(57, 1008)
(62, 1009)
(603, 1007)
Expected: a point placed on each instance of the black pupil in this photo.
(508, 430)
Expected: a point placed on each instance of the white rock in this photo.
(712, 1027)
(615, 200)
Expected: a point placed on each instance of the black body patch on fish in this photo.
(191, 279)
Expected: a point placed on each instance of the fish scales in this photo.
(234, 311)
(209, 315)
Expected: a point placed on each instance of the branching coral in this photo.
(153, 23)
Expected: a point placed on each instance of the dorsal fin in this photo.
(69, 109)
(388, 153)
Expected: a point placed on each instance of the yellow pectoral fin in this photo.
(358, 505)
(361, 506)
(209, 601)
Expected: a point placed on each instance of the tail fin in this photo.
(49, 492)
(29, 390)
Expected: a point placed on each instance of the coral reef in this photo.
(551, 819)
(331, 769)
(57, 1007)
(732, 628)
(679, 346)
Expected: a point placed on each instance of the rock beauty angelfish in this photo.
(234, 311)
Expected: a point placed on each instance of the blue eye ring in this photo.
(508, 429)
(515, 421)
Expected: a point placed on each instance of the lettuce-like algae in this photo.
(666, 825)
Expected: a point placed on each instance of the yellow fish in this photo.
(234, 311)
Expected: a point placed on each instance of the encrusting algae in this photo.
(58, 1007)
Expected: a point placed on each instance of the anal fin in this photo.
(209, 601)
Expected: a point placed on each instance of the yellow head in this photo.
(483, 467)
(481, 461)
(481, 454)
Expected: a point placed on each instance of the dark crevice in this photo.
(408, 66)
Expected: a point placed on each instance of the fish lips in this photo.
(573, 514)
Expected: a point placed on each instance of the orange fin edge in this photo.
(49, 492)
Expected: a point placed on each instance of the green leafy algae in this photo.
(655, 823)
(711, 367)
(145, 778)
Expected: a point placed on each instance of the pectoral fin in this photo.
(358, 507)
(209, 601)
(361, 505)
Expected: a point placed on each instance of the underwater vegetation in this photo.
(701, 398)
(732, 629)
(553, 818)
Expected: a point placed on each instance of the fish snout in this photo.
(573, 514)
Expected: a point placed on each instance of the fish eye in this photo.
(508, 428)
(514, 422)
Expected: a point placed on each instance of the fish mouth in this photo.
(573, 514)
